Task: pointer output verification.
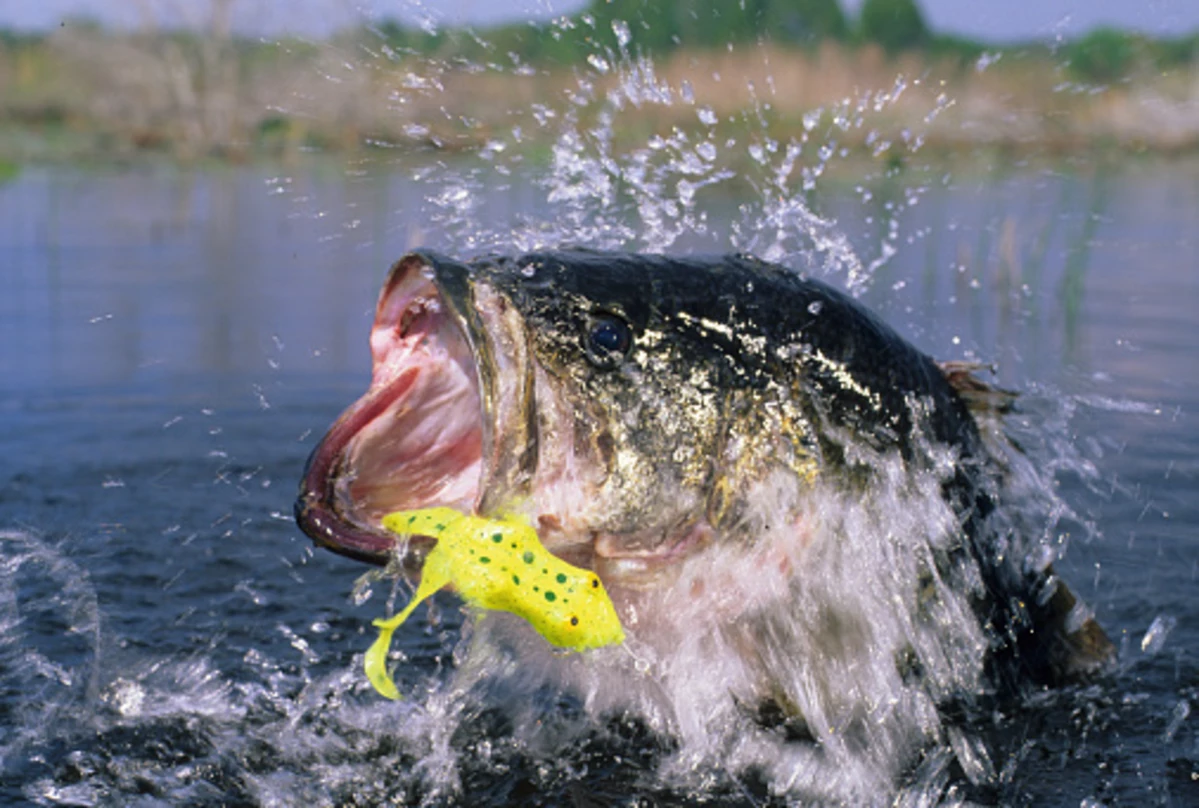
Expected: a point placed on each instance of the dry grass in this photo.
(194, 97)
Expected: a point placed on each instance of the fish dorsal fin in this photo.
(979, 396)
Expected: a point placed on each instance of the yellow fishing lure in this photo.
(499, 564)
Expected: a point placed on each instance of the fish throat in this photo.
(423, 433)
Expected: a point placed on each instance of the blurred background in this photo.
(238, 79)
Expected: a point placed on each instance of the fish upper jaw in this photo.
(422, 432)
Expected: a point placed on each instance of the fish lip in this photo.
(318, 509)
(628, 562)
(618, 560)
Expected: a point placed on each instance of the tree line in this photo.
(658, 27)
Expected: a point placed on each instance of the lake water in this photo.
(172, 344)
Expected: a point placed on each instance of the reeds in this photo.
(86, 92)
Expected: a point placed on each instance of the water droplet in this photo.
(1155, 637)
(815, 306)
(972, 755)
(986, 60)
(1181, 711)
(362, 590)
(706, 116)
(254, 595)
(623, 35)
(126, 696)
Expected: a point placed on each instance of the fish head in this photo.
(598, 394)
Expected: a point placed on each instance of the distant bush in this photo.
(896, 25)
(1172, 53)
(1102, 56)
(804, 22)
(11, 40)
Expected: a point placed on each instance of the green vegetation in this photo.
(896, 25)
(652, 27)
(1104, 55)
(659, 28)
(1107, 55)
(1170, 54)
(8, 171)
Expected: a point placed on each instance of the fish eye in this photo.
(607, 340)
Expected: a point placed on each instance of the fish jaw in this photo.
(421, 433)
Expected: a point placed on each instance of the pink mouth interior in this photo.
(416, 437)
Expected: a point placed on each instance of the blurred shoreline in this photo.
(83, 94)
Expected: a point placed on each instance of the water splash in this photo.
(609, 188)
(50, 638)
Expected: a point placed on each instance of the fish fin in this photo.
(1067, 644)
(433, 578)
(1080, 648)
(979, 396)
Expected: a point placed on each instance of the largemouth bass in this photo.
(656, 418)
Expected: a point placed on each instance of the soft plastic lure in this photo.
(499, 564)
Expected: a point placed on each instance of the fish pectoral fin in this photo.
(1081, 648)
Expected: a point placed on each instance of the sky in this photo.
(988, 20)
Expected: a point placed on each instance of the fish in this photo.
(657, 418)
(499, 564)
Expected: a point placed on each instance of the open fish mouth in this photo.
(419, 436)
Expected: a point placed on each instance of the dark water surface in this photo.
(173, 344)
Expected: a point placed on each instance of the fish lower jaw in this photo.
(628, 565)
(634, 572)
